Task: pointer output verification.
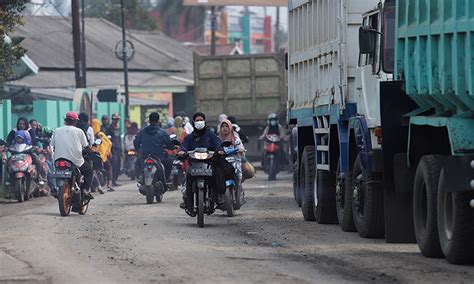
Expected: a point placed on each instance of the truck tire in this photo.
(325, 192)
(425, 192)
(455, 224)
(296, 187)
(367, 202)
(307, 176)
(344, 200)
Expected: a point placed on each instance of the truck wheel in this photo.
(296, 187)
(325, 198)
(344, 200)
(455, 223)
(367, 202)
(307, 175)
(425, 193)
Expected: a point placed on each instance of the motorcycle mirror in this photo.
(226, 144)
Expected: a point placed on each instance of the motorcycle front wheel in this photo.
(200, 215)
(150, 194)
(229, 201)
(19, 190)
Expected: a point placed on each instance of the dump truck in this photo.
(381, 94)
(248, 87)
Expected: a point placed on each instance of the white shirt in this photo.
(68, 142)
(90, 136)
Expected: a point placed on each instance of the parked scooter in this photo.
(23, 173)
(271, 160)
(151, 184)
(234, 195)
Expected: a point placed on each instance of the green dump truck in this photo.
(381, 94)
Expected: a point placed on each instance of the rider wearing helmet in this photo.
(275, 128)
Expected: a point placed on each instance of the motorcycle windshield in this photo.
(20, 148)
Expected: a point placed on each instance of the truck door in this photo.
(367, 76)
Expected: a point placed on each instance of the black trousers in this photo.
(222, 171)
(116, 162)
(86, 171)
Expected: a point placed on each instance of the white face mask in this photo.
(273, 122)
(199, 124)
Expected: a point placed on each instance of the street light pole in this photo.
(125, 63)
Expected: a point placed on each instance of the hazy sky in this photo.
(271, 11)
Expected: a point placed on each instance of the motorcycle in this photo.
(43, 191)
(177, 176)
(152, 175)
(200, 169)
(234, 196)
(270, 161)
(68, 190)
(23, 173)
(130, 162)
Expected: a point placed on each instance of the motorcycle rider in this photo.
(203, 137)
(153, 141)
(275, 128)
(68, 142)
(227, 133)
(238, 130)
(23, 124)
(83, 124)
(178, 129)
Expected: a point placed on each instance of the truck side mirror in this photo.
(286, 61)
(367, 40)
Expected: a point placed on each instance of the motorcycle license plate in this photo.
(201, 172)
(62, 174)
(19, 157)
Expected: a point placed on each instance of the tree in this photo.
(10, 50)
(137, 16)
(172, 10)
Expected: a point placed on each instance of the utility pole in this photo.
(277, 30)
(83, 41)
(125, 63)
(213, 30)
(76, 43)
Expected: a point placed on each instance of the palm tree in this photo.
(172, 10)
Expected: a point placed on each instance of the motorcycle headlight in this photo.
(200, 156)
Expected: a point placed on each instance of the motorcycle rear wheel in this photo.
(64, 198)
(150, 194)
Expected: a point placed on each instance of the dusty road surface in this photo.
(124, 240)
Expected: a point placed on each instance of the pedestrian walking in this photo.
(114, 132)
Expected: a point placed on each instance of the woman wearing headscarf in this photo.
(178, 128)
(104, 150)
(227, 133)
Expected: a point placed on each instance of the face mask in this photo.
(273, 122)
(199, 125)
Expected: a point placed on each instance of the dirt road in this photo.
(124, 240)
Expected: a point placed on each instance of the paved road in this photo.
(124, 240)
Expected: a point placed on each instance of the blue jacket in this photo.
(208, 140)
(153, 140)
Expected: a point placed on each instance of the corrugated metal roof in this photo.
(104, 79)
(49, 44)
